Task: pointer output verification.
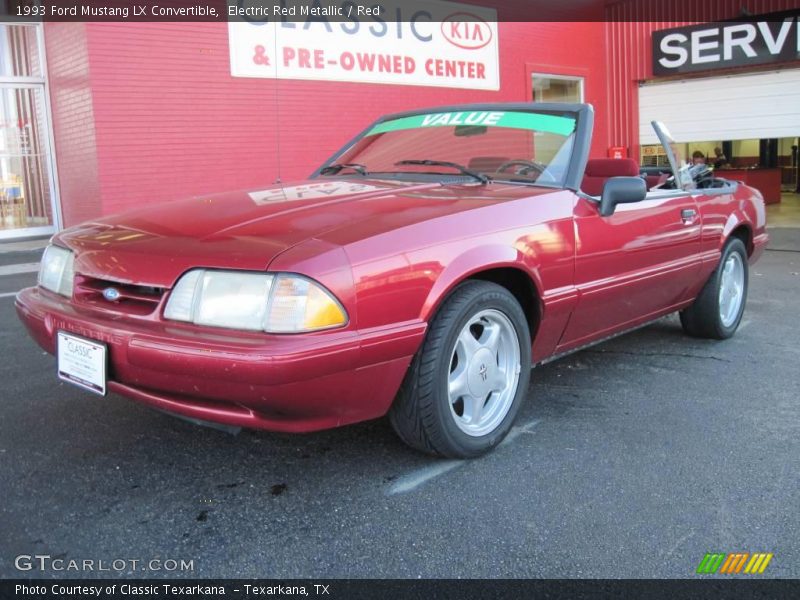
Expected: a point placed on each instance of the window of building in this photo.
(27, 187)
(557, 88)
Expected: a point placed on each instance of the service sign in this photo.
(761, 40)
(443, 44)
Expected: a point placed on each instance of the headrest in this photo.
(612, 167)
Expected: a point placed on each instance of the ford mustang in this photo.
(420, 272)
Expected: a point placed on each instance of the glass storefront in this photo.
(780, 154)
(27, 190)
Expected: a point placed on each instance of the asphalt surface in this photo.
(632, 459)
(15, 258)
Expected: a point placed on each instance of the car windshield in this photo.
(678, 163)
(523, 147)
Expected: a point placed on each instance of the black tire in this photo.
(703, 319)
(421, 413)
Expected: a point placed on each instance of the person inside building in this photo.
(719, 158)
(698, 158)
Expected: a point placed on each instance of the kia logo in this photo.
(466, 30)
(111, 294)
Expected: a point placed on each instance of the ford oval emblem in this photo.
(111, 294)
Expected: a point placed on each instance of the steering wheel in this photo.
(527, 166)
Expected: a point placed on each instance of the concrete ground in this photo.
(631, 459)
(786, 213)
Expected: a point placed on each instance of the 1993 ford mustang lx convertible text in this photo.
(420, 272)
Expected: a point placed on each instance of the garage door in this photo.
(755, 106)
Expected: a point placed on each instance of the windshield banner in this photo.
(516, 120)
(444, 44)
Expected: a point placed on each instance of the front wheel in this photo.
(466, 384)
(718, 310)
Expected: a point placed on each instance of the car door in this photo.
(636, 264)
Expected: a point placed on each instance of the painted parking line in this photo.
(8, 294)
(19, 268)
(413, 480)
(518, 431)
(418, 477)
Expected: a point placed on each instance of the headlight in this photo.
(271, 302)
(57, 270)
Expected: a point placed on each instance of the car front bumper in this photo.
(291, 383)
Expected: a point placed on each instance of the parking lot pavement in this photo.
(19, 257)
(632, 459)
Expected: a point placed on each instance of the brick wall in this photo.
(169, 121)
(73, 121)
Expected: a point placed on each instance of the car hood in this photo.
(154, 245)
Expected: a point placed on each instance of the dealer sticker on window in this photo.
(82, 362)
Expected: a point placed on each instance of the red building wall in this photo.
(148, 112)
(73, 120)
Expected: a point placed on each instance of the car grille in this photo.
(130, 299)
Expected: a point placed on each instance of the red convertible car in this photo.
(420, 272)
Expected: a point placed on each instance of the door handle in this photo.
(688, 216)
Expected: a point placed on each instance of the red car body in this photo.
(390, 251)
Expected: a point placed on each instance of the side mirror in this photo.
(621, 190)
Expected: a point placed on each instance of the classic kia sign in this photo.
(442, 44)
(761, 40)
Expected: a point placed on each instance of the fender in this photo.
(749, 211)
(475, 260)
(735, 219)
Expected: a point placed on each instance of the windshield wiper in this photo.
(336, 167)
(443, 163)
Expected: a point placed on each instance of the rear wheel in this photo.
(718, 310)
(467, 382)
